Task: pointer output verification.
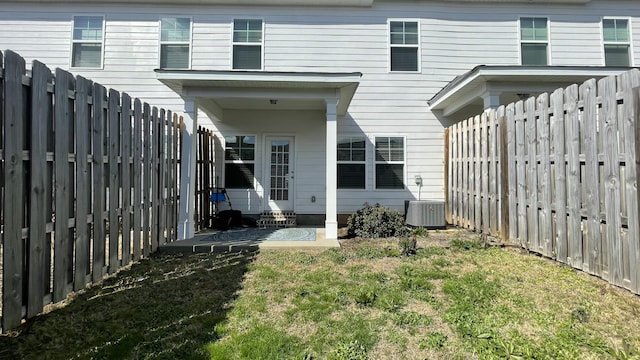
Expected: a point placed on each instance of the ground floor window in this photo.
(389, 161)
(239, 167)
(351, 162)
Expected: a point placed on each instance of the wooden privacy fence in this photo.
(89, 184)
(558, 174)
(205, 179)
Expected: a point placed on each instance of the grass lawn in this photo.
(454, 299)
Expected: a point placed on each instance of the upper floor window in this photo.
(87, 41)
(351, 162)
(175, 43)
(239, 156)
(390, 162)
(615, 33)
(534, 41)
(404, 45)
(247, 44)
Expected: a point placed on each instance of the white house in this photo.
(323, 105)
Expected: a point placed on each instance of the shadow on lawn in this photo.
(163, 307)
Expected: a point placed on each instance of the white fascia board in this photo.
(186, 76)
(481, 75)
(336, 3)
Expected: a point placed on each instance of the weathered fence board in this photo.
(13, 181)
(40, 107)
(83, 192)
(75, 157)
(99, 183)
(138, 187)
(629, 128)
(557, 124)
(574, 193)
(545, 198)
(569, 172)
(125, 115)
(146, 184)
(63, 129)
(592, 173)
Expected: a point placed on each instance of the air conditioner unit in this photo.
(425, 213)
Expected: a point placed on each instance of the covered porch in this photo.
(286, 123)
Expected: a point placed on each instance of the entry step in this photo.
(277, 219)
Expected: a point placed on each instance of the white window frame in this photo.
(160, 42)
(547, 42)
(363, 162)
(403, 162)
(628, 43)
(418, 46)
(233, 44)
(254, 161)
(74, 41)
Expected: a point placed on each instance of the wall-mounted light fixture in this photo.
(418, 179)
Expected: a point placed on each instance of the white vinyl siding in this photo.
(389, 159)
(352, 152)
(247, 44)
(617, 40)
(87, 41)
(404, 45)
(455, 39)
(175, 43)
(239, 156)
(534, 41)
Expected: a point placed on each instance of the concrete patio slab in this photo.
(206, 242)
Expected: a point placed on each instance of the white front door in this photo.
(280, 173)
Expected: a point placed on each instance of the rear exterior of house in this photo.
(319, 108)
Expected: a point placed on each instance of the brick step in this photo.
(277, 219)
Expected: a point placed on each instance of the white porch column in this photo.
(187, 203)
(331, 224)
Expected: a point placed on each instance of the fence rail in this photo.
(558, 174)
(89, 184)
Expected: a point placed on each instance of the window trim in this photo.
(629, 43)
(101, 41)
(548, 41)
(254, 161)
(160, 42)
(403, 162)
(233, 44)
(418, 46)
(364, 162)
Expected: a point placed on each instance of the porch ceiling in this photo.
(217, 91)
(464, 95)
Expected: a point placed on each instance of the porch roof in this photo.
(217, 91)
(466, 94)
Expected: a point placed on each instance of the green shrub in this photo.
(376, 222)
(420, 232)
